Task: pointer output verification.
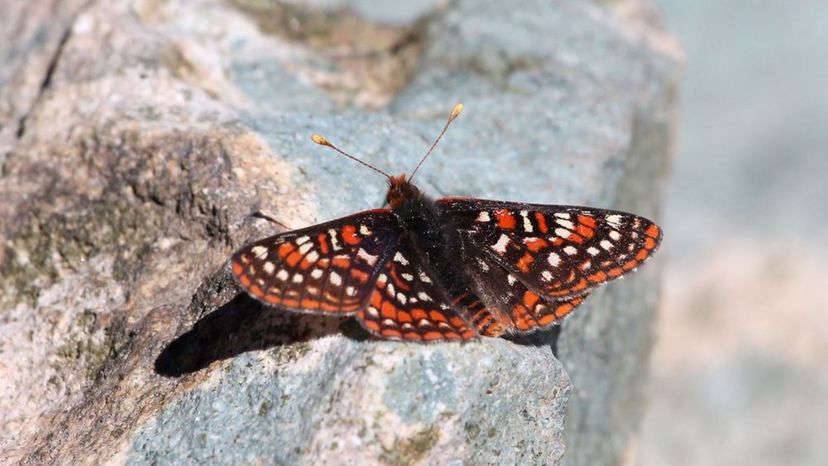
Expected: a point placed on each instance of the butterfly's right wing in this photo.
(325, 268)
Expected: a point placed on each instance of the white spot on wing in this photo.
(334, 242)
(606, 245)
(268, 267)
(312, 256)
(302, 239)
(562, 232)
(364, 230)
(398, 257)
(613, 219)
(547, 275)
(372, 311)
(483, 217)
(259, 251)
(565, 224)
(511, 279)
(527, 224)
(423, 277)
(316, 273)
(368, 258)
(593, 251)
(562, 215)
(282, 275)
(350, 291)
(297, 278)
(554, 259)
(501, 244)
(614, 235)
(305, 248)
(335, 278)
(423, 296)
(571, 250)
(401, 298)
(407, 276)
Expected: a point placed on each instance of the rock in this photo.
(154, 128)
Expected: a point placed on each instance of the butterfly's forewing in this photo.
(558, 252)
(326, 268)
(407, 303)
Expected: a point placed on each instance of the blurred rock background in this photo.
(740, 369)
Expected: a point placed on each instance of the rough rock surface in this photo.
(137, 136)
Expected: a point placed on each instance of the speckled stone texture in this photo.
(138, 136)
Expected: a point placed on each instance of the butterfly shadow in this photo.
(241, 325)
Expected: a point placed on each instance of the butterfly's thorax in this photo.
(432, 235)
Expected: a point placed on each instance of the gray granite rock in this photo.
(159, 127)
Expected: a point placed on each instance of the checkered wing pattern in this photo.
(326, 268)
(557, 252)
(513, 306)
(407, 303)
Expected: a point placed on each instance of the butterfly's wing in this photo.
(511, 306)
(325, 268)
(407, 303)
(552, 255)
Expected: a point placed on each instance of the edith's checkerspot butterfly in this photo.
(450, 269)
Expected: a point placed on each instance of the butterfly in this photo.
(446, 269)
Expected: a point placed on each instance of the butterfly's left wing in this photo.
(557, 252)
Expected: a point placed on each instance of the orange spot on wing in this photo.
(586, 220)
(575, 238)
(403, 316)
(293, 258)
(536, 244)
(256, 291)
(244, 280)
(580, 286)
(437, 316)
(530, 299)
(563, 310)
(389, 332)
(341, 262)
(452, 336)
(285, 249)
(419, 314)
(642, 254)
(271, 298)
(388, 310)
(652, 231)
(349, 235)
(615, 272)
(525, 261)
(457, 322)
(237, 269)
(468, 335)
(630, 264)
(539, 217)
(584, 230)
(547, 319)
(376, 299)
(598, 276)
(322, 240)
(359, 275)
(505, 219)
(432, 335)
(373, 325)
(649, 243)
(557, 242)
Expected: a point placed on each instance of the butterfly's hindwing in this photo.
(407, 303)
(326, 268)
(514, 308)
(558, 252)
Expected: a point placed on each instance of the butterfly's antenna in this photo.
(324, 142)
(455, 112)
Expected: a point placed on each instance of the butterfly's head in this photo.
(400, 190)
